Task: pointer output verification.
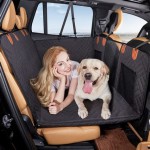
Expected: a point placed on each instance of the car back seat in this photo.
(142, 42)
(19, 40)
(24, 60)
(107, 44)
(122, 74)
(123, 108)
(131, 77)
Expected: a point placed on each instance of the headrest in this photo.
(9, 19)
(145, 31)
(111, 23)
(119, 20)
(114, 21)
(21, 20)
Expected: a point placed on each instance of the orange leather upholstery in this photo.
(143, 146)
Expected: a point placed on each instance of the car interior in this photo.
(25, 123)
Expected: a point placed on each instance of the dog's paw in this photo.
(82, 112)
(105, 114)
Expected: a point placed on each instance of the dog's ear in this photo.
(105, 69)
(79, 69)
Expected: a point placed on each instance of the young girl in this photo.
(57, 74)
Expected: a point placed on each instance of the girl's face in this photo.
(63, 63)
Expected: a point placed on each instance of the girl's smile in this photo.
(63, 64)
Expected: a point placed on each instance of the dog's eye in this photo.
(84, 67)
(95, 68)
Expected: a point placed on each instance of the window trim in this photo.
(45, 23)
(45, 20)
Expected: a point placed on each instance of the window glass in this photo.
(83, 20)
(55, 17)
(130, 27)
(37, 25)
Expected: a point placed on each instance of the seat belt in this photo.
(62, 28)
(73, 20)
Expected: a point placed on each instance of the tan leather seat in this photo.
(53, 136)
(144, 145)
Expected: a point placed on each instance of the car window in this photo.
(84, 18)
(55, 18)
(130, 27)
(37, 25)
(56, 15)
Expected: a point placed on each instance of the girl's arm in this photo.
(54, 107)
(52, 96)
(70, 97)
(59, 96)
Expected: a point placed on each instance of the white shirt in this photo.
(74, 74)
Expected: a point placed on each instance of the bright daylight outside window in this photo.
(37, 25)
(56, 14)
(130, 27)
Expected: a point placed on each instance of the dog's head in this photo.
(91, 72)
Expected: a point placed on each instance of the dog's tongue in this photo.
(87, 88)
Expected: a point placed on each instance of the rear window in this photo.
(130, 27)
(56, 13)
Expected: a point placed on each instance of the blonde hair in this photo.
(43, 82)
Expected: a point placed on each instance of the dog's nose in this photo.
(88, 76)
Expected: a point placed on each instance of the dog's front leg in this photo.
(105, 113)
(82, 111)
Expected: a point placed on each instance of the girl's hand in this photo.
(54, 108)
(57, 74)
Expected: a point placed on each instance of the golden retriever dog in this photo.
(93, 84)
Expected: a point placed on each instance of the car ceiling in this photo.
(140, 8)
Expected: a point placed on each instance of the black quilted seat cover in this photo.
(132, 77)
(26, 63)
(121, 112)
(99, 46)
